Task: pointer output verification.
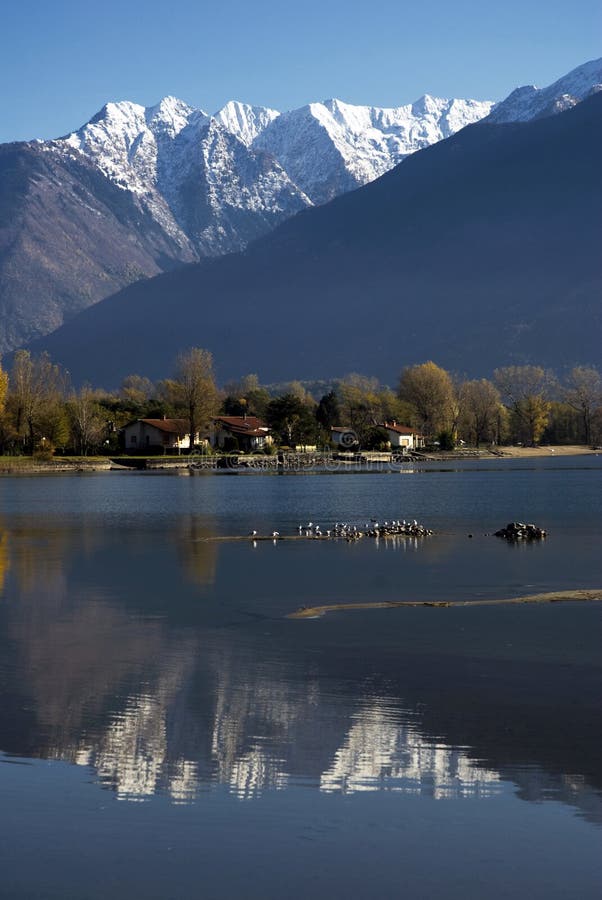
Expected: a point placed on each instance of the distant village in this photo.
(42, 414)
(249, 434)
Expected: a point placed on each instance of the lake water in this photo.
(166, 731)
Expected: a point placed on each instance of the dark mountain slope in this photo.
(68, 237)
(479, 251)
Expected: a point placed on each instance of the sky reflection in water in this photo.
(163, 662)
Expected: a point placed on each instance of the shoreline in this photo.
(27, 466)
(63, 465)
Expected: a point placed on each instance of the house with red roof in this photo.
(246, 433)
(157, 435)
(402, 437)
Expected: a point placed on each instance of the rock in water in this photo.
(518, 531)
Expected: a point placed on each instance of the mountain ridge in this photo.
(528, 102)
(197, 185)
(481, 250)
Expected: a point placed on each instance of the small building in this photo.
(344, 437)
(403, 438)
(246, 433)
(157, 435)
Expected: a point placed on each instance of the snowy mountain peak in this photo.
(170, 106)
(214, 182)
(427, 105)
(150, 186)
(195, 174)
(124, 122)
(354, 118)
(171, 115)
(334, 146)
(579, 82)
(530, 102)
(117, 113)
(244, 121)
(335, 105)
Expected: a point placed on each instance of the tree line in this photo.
(41, 413)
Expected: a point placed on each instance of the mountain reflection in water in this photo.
(165, 662)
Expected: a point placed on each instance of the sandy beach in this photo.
(557, 450)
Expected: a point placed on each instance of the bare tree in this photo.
(359, 402)
(480, 403)
(364, 404)
(527, 390)
(88, 424)
(196, 390)
(38, 388)
(583, 393)
(137, 389)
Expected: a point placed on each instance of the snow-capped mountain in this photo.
(244, 121)
(332, 147)
(205, 187)
(481, 251)
(215, 182)
(128, 144)
(139, 190)
(529, 102)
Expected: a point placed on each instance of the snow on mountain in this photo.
(225, 194)
(127, 142)
(331, 147)
(198, 179)
(529, 102)
(253, 164)
(244, 121)
(213, 183)
(126, 139)
(139, 190)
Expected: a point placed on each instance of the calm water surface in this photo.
(167, 732)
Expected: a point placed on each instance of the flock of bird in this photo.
(345, 531)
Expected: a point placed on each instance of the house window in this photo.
(133, 440)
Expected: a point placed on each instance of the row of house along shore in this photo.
(243, 433)
(246, 433)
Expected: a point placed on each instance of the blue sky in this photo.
(61, 60)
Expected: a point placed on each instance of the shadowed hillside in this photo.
(68, 237)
